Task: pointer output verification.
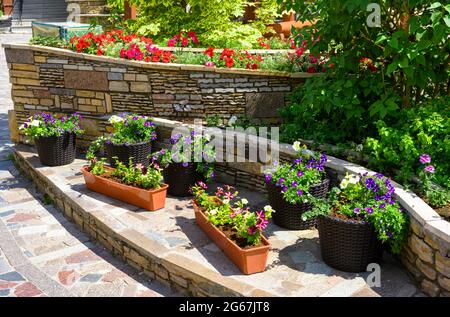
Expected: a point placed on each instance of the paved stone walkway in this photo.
(41, 252)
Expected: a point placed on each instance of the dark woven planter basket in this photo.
(56, 150)
(180, 179)
(288, 215)
(138, 151)
(348, 245)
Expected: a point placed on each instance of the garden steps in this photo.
(168, 245)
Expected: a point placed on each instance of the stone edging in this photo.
(158, 66)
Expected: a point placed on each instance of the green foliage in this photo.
(145, 177)
(419, 130)
(45, 125)
(212, 120)
(228, 211)
(378, 71)
(368, 198)
(97, 167)
(48, 41)
(216, 21)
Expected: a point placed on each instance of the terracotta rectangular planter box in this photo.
(148, 199)
(249, 261)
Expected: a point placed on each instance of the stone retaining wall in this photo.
(58, 81)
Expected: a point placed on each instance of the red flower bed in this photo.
(183, 39)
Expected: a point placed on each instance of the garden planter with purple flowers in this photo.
(131, 137)
(235, 229)
(294, 188)
(189, 160)
(358, 220)
(54, 137)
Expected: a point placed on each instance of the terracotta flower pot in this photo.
(249, 261)
(148, 199)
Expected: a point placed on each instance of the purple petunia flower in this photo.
(135, 118)
(252, 230)
(187, 141)
(382, 206)
(284, 189)
(300, 192)
(357, 211)
(425, 159)
(369, 210)
(299, 173)
(268, 178)
(429, 169)
(297, 161)
(185, 164)
(281, 180)
(294, 184)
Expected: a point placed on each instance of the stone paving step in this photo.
(43, 254)
(168, 245)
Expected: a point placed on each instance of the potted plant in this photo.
(189, 160)
(293, 188)
(55, 138)
(233, 227)
(131, 137)
(357, 220)
(135, 184)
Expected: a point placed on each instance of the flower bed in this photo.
(116, 43)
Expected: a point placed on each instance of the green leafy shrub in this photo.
(419, 130)
(377, 71)
(215, 21)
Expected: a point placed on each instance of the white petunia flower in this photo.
(22, 127)
(115, 119)
(268, 208)
(297, 146)
(349, 179)
(35, 123)
(244, 201)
